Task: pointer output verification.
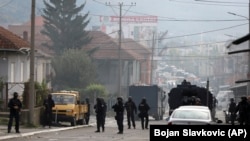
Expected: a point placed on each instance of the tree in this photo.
(73, 69)
(64, 25)
(95, 90)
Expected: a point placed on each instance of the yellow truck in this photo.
(68, 107)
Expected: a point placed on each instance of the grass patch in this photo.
(4, 121)
(28, 125)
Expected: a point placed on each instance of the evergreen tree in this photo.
(64, 25)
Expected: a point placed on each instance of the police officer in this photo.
(231, 110)
(48, 105)
(104, 107)
(242, 109)
(100, 114)
(119, 110)
(144, 108)
(131, 111)
(15, 106)
(87, 115)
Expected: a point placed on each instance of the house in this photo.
(135, 58)
(135, 62)
(15, 63)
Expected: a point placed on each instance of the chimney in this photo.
(25, 35)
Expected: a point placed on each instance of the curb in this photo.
(43, 131)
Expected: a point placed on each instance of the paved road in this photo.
(85, 132)
(88, 133)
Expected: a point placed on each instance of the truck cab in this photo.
(68, 107)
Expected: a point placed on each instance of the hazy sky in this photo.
(183, 17)
(178, 17)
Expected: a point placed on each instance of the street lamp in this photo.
(231, 36)
(231, 13)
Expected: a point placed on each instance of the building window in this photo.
(12, 72)
(22, 72)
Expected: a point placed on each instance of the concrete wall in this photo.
(37, 116)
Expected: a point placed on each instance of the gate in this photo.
(7, 92)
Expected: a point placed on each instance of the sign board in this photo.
(130, 19)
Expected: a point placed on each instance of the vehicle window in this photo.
(188, 114)
(63, 99)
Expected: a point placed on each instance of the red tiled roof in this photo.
(107, 47)
(39, 21)
(9, 40)
(133, 46)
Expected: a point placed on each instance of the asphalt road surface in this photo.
(88, 134)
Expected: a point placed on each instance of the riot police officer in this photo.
(144, 108)
(242, 109)
(15, 106)
(48, 105)
(119, 110)
(100, 110)
(87, 115)
(131, 111)
(231, 110)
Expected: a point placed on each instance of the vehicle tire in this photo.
(73, 122)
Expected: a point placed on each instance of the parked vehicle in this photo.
(186, 94)
(68, 107)
(191, 115)
(155, 97)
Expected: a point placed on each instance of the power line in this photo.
(7, 3)
(201, 3)
(221, 2)
(184, 46)
(183, 20)
(195, 20)
(180, 36)
(120, 38)
(209, 31)
(162, 18)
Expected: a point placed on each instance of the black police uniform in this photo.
(119, 110)
(131, 111)
(144, 108)
(87, 115)
(48, 104)
(231, 110)
(15, 106)
(100, 110)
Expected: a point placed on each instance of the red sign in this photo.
(131, 19)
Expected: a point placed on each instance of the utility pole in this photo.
(32, 58)
(207, 92)
(119, 51)
(248, 73)
(120, 4)
(152, 59)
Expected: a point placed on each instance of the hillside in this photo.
(17, 11)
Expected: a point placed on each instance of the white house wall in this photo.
(18, 71)
(135, 75)
(18, 66)
(42, 69)
(39, 72)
